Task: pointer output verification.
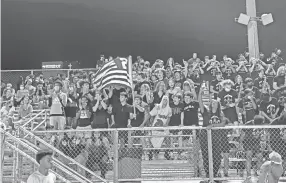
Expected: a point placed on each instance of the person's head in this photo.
(58, 85)
(146, 64)
(9, 85)
(273, 54)
(224, 58)
(161, 63)
(102, 57)
(214, 105)
(249, 82)
(154, 78)
(41, 76)
(123, 97)
(161, 86)
(160, 74)
(137, 99)
(44, 158)
(40, 85)
(241, 56)
(26, 100)
(177, 75)
(218, 75)
(177, 98)
(238, 79)
(214, 57)
(278, 52)
(275, 158)
(261, 73)
(84, 101)
(165, 101)
(207, 58)
(281, 71)
(228, 62)
(195, 55)
(145, 88)
(72, 87)
(171, 83)
(248, 93)
(22, 86)
(261, 56)
(227, 85)
(188, 97)
(187, 86)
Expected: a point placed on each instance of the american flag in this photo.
(117, 71)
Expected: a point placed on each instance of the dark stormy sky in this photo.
(52, 30)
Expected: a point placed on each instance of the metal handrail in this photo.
(55, 161)
(34, 161)
(31, 119)
(61, 153)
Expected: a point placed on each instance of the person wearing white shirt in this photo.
(42, 175)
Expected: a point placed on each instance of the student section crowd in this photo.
(244, 90)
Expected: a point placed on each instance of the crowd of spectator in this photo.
(246, 91)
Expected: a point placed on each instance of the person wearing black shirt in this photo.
(100, 62)
(212, 117)
(176, 118)
(249, 85)
(248, 106)
(121, 115)
(251, 139)
(100, 114)
(228, 99)
(269, 108)
(216, 87)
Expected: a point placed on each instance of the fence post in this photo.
(210, 154)
(116, 156)
(1, 155)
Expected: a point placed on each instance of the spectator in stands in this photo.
(21, 93)
(83, 115)
(72, 105)
(269, 108)
(44, 158)
(248, 106)
(212, 117)
(25, 109)
(57, 103)
(122, 114)
(216, 86)
(280, 81)
(99, 109)
(251, 139)
(7, 113)
(271, 170)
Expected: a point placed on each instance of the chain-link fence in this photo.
(172, 153)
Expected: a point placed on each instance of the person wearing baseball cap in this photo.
(271, 170)
(42, 175)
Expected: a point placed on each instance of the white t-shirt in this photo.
(37, 177)
(161, 115)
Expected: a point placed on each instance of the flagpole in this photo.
(133, 97)
(130, 75)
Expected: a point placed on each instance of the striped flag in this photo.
(117, 71)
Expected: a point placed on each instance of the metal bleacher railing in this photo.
(79, 156)
(12, 76)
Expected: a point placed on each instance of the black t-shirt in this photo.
(269, 107)
(191, 113)
(210, 118)
(216, 85)
(101, 115)
(258, 83)
(139, 118)
(176, 114)
(228, 73)
(280, 80)
(227, 97)
(122, 114)
(247, 105)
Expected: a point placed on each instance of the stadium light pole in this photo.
(250, 19)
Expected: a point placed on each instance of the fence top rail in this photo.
(164, 128)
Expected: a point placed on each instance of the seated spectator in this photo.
(25, 110)
(21, 93)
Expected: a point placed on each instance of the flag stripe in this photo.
(114, 72)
